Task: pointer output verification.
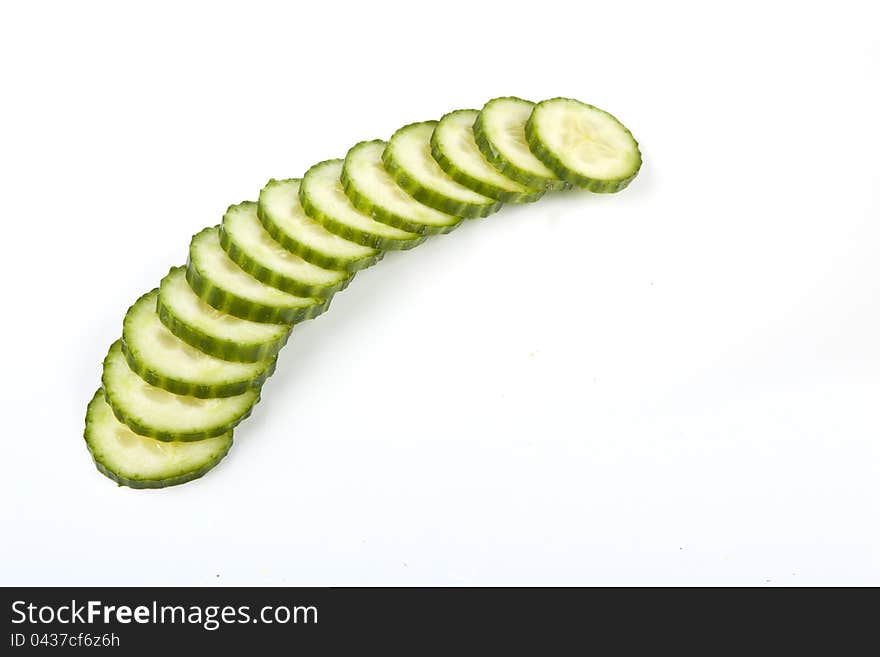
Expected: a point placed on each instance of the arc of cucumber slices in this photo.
(136, 461)
(283, 217)
(196, 351)
(408, 159)
(373, 191)
(228, 288)
(323, 198)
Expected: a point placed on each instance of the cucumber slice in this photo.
(141, 462)
(157, 413)
(455, 149)
(249, 246)
(282, 216)
(500, 135)
(166, 361)
(227, 287)
(583, 145)
(323, 199)
(408, 159)
(212, 331)
(373, 191)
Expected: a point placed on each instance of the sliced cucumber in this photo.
(227, 287)
(373, 191)
(157, 413)
(249, 246)
(455, 149)
(583, 145)
(212, 331)
(282, 216)
(323, 199)
(196, 351)
(166, 361)
(408, 159)
(141, 462)
(500, 135)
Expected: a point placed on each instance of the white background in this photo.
(678, 384)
